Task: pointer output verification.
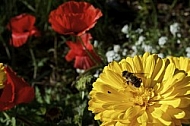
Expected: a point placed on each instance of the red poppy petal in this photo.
(83, 62)
(70, 55)
(16, 81)
(6, 106)
(21, 23)
(25, 95)
(18, 39)
(72, 22)
(67, 17)
(88, 63)
(34, 32)
(20, 87)
(73, 7)
(73, 53)
(16, 91)
(8, 93)
(56, 23)
(74, 45)
(76, 48)
(86, 40)
(79, 62)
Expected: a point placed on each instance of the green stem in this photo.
(173, 4)
(23, 120)
(6, 48)
(154, 13)
(34, 63)
(55, 68)
(55, 52)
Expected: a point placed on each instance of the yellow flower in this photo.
(2, 76)
(162, 98)
(182, 63)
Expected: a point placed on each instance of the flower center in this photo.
(142, 96)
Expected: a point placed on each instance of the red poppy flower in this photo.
(78, 52)
(74, 18)
(22, 26)
(15, 91)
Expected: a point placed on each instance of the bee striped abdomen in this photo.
(131, 78)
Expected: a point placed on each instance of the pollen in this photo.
(143, 96)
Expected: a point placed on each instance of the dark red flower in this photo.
(15, 91)
(74, 18)
(22, 26)
(78, 52)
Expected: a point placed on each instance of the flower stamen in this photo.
(143, 96)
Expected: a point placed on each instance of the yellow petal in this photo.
(149, 66)
(143, 118)
(173, 102)
(2, 76)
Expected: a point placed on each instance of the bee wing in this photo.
(140, 74)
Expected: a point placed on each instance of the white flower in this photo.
(124, 52)
(178, 35)
(80, 71)
(110, 54)
(95, 43)
(125, 30)
(174, 28)
(188, 54)
(178, 41)
(116, 48)
(139, 30)
(161, 55)
(97, 74)
(113, 54)
(162, 40)
(147, 48)
(187, 49)
(140, 40)
(117, 57)
(134, 50)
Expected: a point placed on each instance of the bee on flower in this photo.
(161, 99)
